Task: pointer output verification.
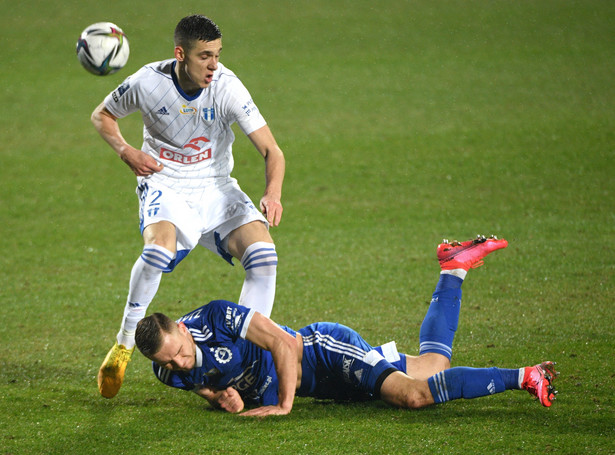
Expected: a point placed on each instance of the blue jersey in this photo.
(337, 363)
(224, 358)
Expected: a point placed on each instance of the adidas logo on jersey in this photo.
(359, 374)
(162, 111)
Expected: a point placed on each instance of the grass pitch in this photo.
(402, 123)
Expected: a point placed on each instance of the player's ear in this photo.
(182, 327)
(180, 55)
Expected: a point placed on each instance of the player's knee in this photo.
(403, 391)
(438, 362)
(415, 399)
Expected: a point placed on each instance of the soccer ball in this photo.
(103, 48)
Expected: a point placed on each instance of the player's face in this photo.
(197, 65)
(178, 351)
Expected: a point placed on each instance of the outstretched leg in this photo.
(464, 382)
(440, 324)
(144, 281)
(404, 391)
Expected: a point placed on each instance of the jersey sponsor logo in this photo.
(249, 107)
(197, 144)
(246, 379)
(209, 114)
(232, 319)
(264, 387)
(117, 94)
(162, 111)
(187, 110)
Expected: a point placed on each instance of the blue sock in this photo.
(440, 323)
(465, 382)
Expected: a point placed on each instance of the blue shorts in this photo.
(339, 364)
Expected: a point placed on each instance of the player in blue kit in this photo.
(187, 196)
(234, 356)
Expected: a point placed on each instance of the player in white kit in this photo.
(187, 197)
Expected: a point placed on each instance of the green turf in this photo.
(403, 122)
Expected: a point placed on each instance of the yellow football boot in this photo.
(111, 373)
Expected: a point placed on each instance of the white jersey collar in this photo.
(199, 358)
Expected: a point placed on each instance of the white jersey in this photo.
(190, 135)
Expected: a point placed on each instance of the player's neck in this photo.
(184, 81)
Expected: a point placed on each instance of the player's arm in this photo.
(264, 333)
(228, 400)
(106, 124)
(275, 167)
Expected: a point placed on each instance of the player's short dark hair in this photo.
(195, 28)
(149, 333)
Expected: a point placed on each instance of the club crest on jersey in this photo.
(222, 354)
(187, 110)
(209, 114)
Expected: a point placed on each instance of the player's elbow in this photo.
(99, 115)
(95, 116)
(273, 153)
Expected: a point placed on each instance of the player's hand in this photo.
(140, 162)
(272, 209)
(265, 411)
(230, 400)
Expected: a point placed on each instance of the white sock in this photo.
(521, 376)
(144, 281)
(459, 273)
(260, 263)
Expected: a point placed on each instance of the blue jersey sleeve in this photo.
(226, 320)
(170, 378)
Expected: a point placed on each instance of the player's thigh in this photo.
(166, 218)
(161, 233)
(245, 235)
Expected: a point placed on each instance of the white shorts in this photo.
(206, 220)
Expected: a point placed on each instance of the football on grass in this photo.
(103, 48)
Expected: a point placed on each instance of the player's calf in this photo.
(260, 262)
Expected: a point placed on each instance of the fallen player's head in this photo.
(166, 342)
